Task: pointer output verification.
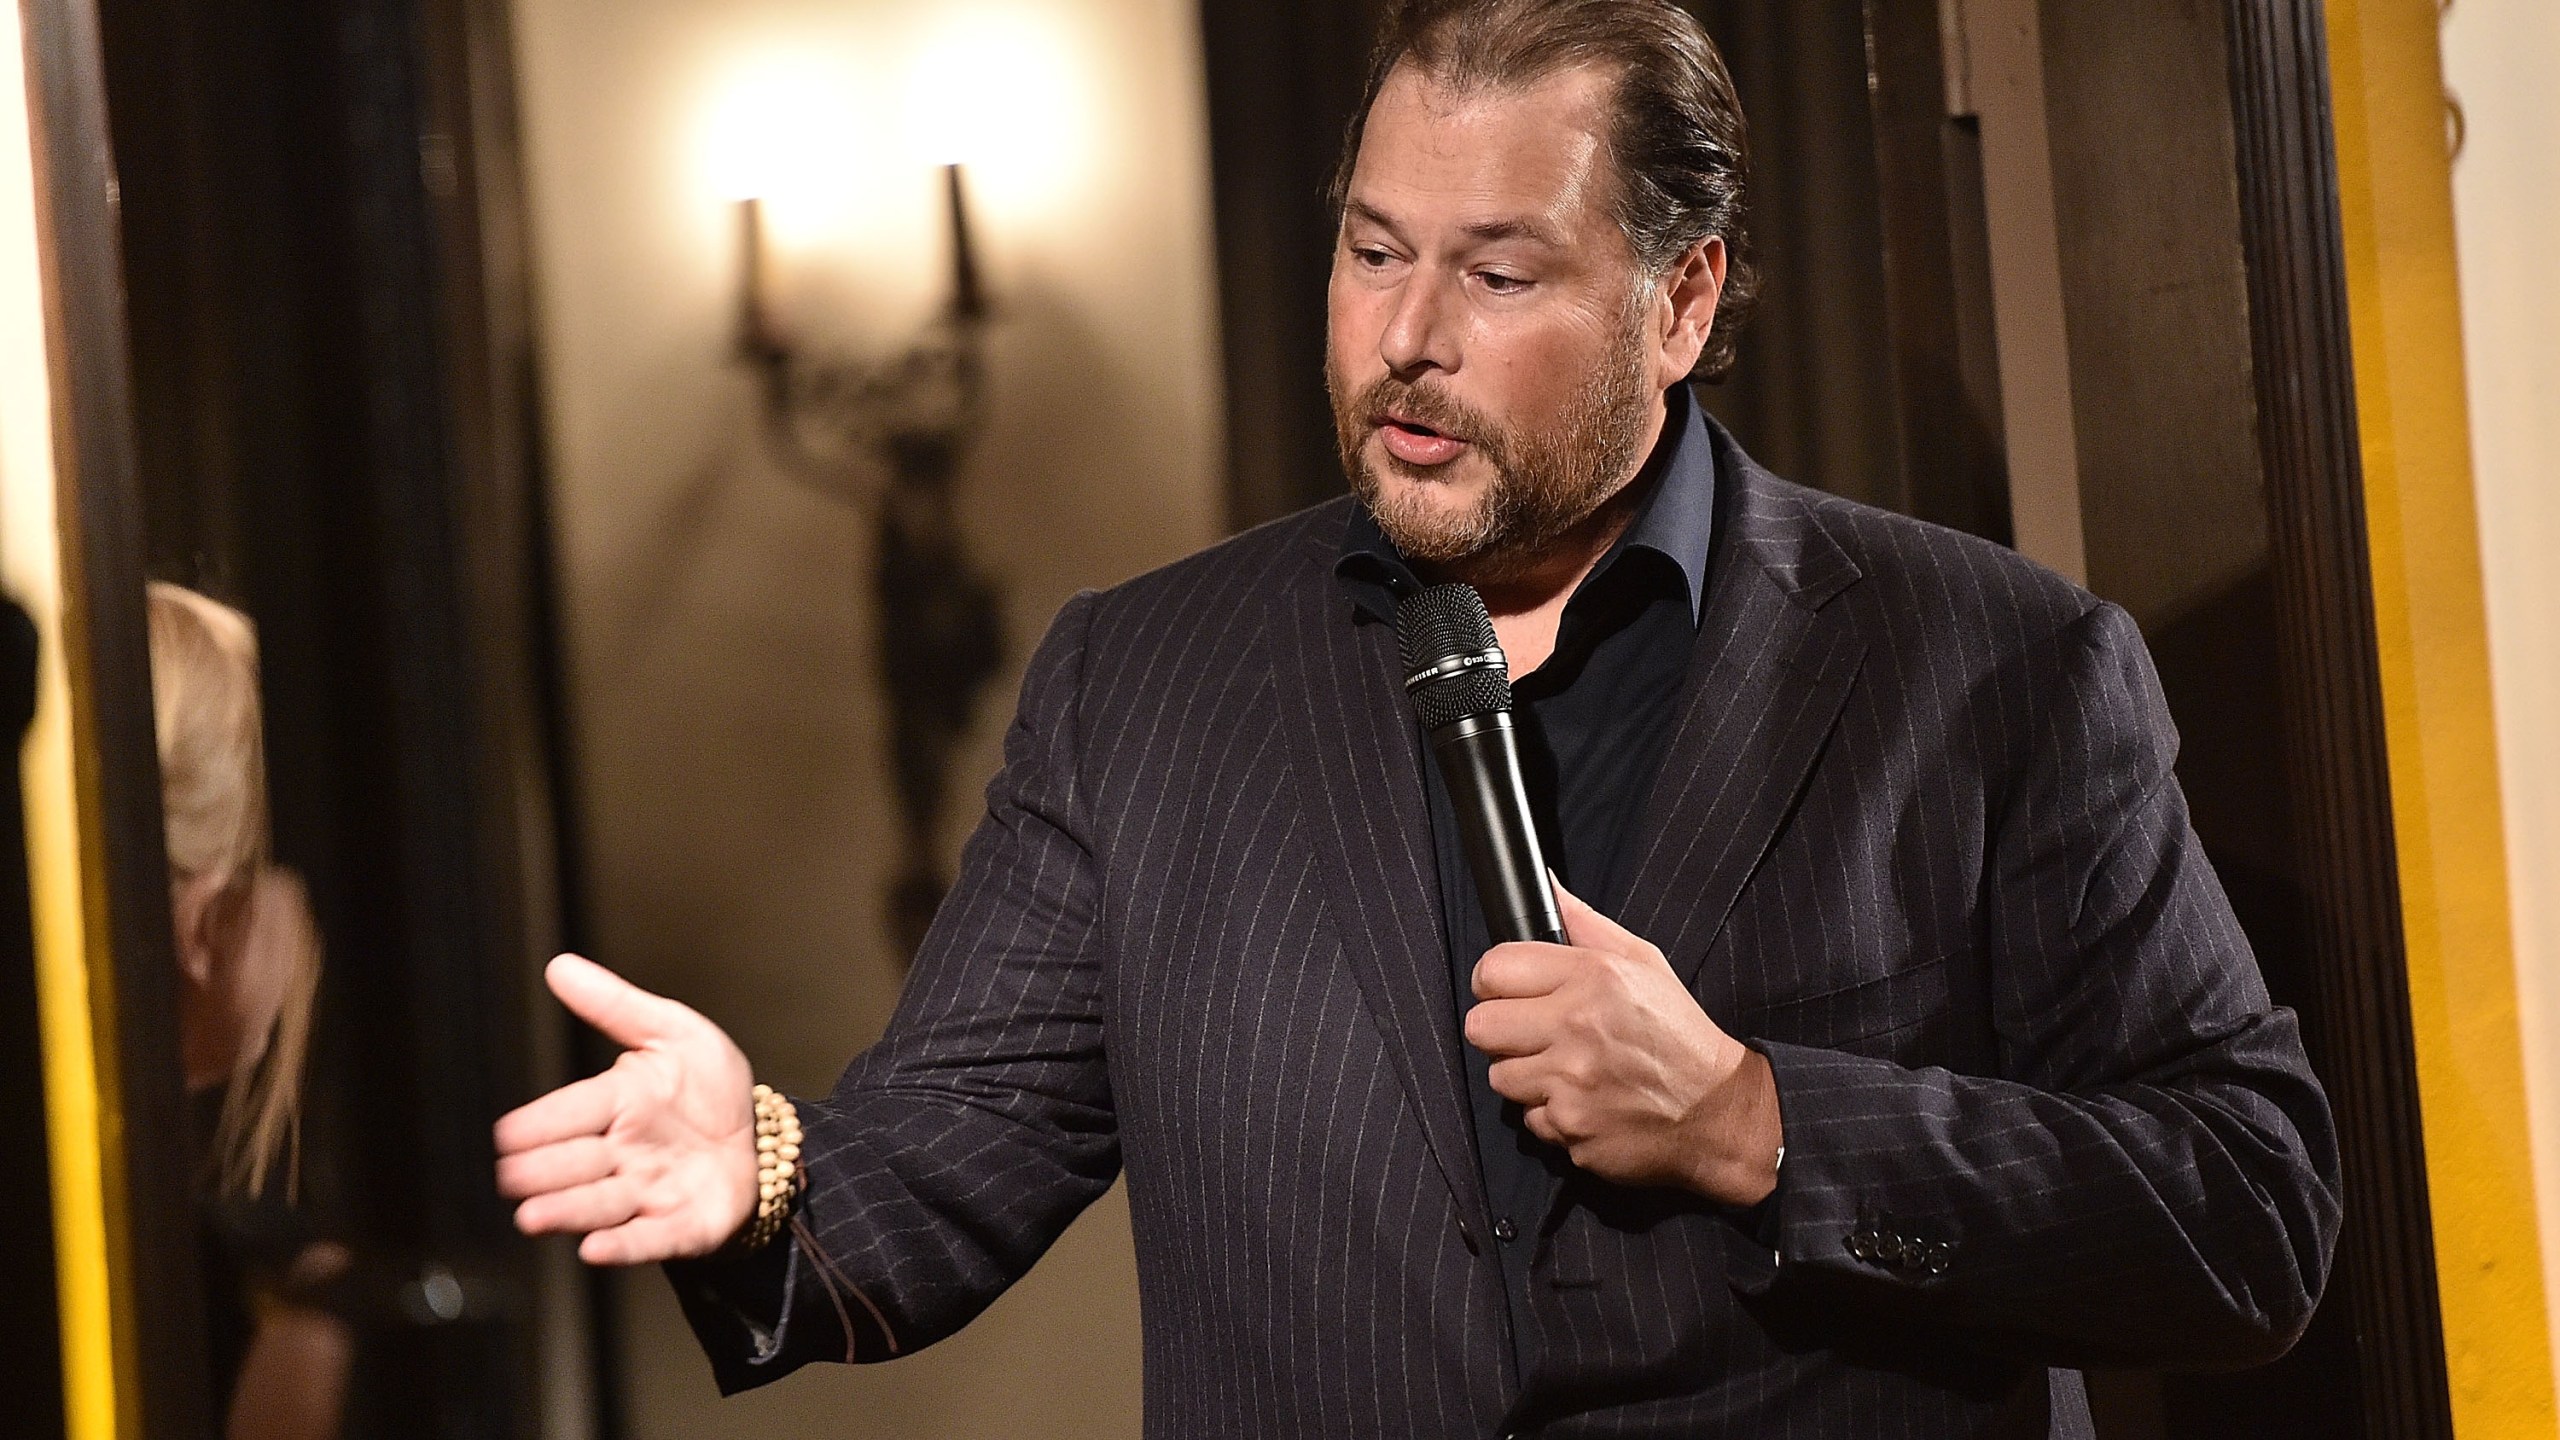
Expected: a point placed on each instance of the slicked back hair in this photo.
(1676, 136)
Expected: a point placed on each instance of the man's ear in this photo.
(1687, 308)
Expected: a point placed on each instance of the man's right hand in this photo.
(655, 1159)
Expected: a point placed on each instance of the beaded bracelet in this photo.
(779, 1178)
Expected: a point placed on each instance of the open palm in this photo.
(654, 1159)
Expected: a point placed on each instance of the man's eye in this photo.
(1371, 257)
(1501, 284)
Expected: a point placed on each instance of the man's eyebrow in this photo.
(1517, 228)
(1520, 227)
(1363, 210)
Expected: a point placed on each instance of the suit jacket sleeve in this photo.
(2152, 1178)
(955, 1150)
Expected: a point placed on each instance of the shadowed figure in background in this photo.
(249, 967)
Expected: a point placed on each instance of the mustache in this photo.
(1421, 403)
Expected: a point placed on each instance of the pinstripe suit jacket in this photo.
(1916, 838)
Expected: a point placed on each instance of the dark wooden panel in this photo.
(2334, 748)
(107, 650)
(471, 168)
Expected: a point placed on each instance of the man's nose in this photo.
(1421, 333)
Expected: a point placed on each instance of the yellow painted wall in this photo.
(2500, 60)
(730, 738)
(80, 1111)
(2404, 301)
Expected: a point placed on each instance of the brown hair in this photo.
(213, 781)
(1676, 131)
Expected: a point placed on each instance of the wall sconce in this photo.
(889, 433)
(828, 409)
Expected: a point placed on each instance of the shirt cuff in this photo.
(1756, 1243)
(740, 1306)
(1831, 1210)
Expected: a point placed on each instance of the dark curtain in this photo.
(1283, 81)
(1812, 397)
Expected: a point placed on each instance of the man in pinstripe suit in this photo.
(1922, 1063)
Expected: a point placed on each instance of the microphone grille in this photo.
(1462, 696)
(1443, 623)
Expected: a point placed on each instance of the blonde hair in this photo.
(213, 781)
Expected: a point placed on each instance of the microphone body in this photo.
(1460, 684)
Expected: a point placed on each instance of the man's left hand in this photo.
(1611, 1058)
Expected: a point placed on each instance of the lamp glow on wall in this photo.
(795, 151)
(996, 90)
(889, 432)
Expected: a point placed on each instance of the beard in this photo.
(1546, 480)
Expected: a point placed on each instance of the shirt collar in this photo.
(1677, 521)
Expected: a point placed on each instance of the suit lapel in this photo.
(1357, 759)
(1764, 691)
(1765, 688)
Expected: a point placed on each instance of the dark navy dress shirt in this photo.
(1592, 722)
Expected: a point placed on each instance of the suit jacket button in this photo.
(1937, 1257)
(1505, 1231)
(1862, 1244)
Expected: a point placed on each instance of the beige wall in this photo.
(736, 816)
(1997, 66)
(2500, 58)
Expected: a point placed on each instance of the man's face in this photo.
(1492, 352)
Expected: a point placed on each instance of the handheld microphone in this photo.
(1460, 684)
